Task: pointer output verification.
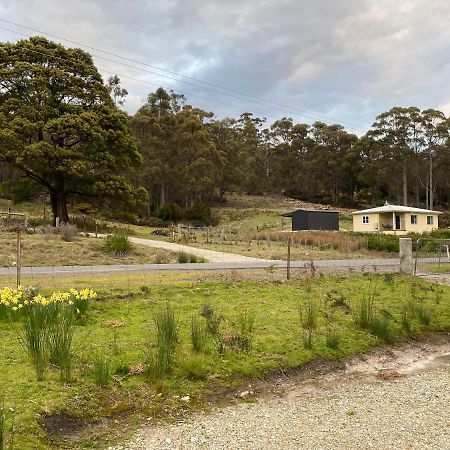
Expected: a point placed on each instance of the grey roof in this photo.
(289, 214)
(396, 208)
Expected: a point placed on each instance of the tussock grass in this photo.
(198, 335)
(101, 369)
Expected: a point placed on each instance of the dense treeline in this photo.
(63, 134)
(192, 156)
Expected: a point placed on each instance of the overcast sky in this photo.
(342, 61)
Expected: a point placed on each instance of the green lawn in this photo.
(278, 342)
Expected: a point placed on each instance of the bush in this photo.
(117, 244)
(68, 232)
(200, 214)
(170, 212)
(383, 242)
(183, 258)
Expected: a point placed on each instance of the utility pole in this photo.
(18, 256)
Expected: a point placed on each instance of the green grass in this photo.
(268, 311)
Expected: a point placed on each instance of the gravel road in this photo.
(410, 412)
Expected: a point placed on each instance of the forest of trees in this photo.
(63, 133)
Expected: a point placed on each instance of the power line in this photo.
(240, 109)
(252, 98)
(142, 81)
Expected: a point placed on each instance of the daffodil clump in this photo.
(47, 324)
(16, 299)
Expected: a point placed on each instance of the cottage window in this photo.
(413, 219)
(429, 220)
(366, 219)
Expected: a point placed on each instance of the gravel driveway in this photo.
(410, 412)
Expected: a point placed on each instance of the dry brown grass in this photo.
(51, 250)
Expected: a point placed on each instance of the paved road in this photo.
(356, 264)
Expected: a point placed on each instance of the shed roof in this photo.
(396, 208)
(310, 210)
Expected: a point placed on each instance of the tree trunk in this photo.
(431, 187)
(162, 195)
(405, 183)
(58, 200)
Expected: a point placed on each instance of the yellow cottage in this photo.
(395, 219)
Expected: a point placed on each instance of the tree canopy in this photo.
(60, 128)
(62, 133)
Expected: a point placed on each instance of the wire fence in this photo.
(432, 256)
(135, 275)
(222, 254)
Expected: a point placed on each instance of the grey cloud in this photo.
(345, 59)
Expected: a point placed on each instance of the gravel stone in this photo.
(404, 413)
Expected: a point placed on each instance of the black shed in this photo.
(310, 219)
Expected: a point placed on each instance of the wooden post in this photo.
(288, 262)
(96, 229)
(207, 235)
(18, 257)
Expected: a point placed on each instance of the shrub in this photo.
(198, 335)
(183, 258)
(102, 370)
(68, 232)
(382, 242)
(170, 212)
(432, 246)
(200, 214)
(117, 244)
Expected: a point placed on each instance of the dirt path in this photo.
(390, 399)
(209, 255)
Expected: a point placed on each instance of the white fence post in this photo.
(406, 259)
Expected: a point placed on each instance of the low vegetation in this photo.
(48, 249)
(156, 349)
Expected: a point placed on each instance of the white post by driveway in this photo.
(406, 259)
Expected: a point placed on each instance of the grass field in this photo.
(120, 325)
(51, 250)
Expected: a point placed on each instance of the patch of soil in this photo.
(64, 424)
